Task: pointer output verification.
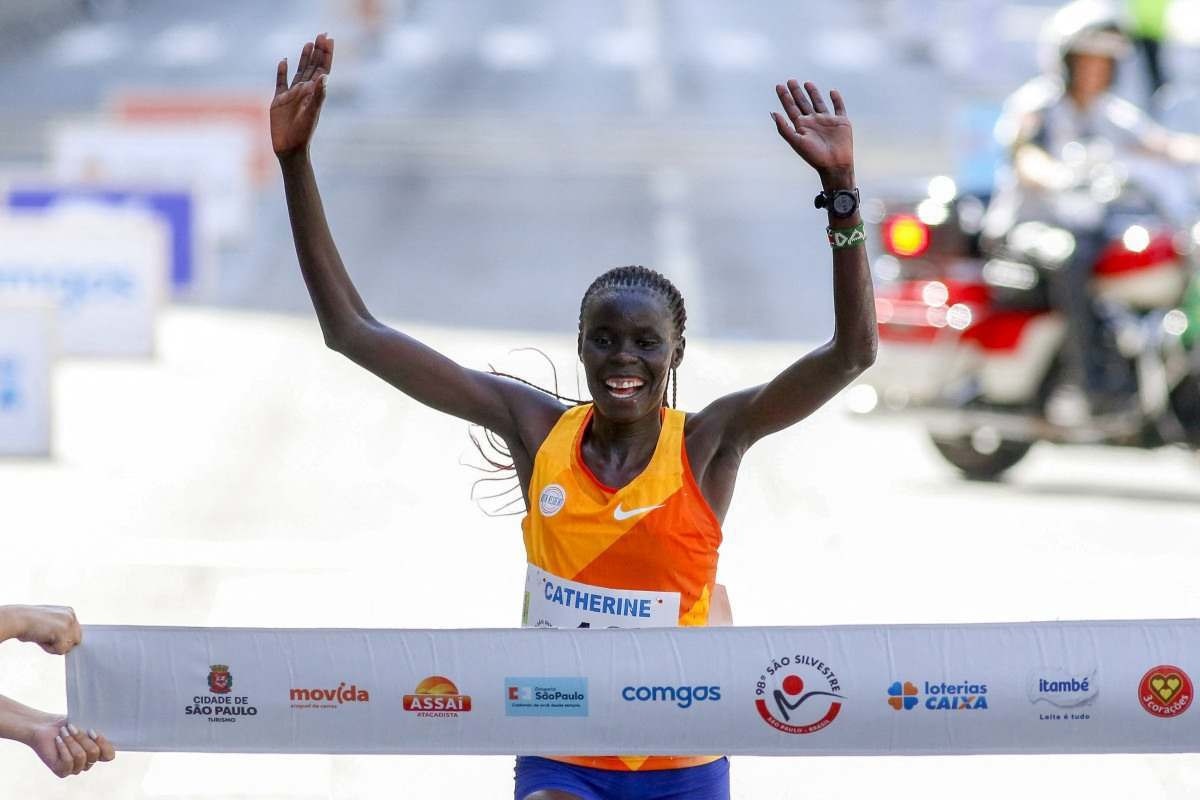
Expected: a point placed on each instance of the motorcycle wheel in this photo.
(976, 465)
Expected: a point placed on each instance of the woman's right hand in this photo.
(296, 108)
(53, 628)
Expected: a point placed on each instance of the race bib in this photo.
(554, 602)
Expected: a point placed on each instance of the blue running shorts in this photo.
(705, 782)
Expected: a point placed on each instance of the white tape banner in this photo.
(1072, 687)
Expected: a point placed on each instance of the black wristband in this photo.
(841, 203)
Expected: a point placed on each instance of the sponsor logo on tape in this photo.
(437, 696)
(328, 698)
(545, 697)
(682, 696)
(220, 704)
(798, 694)
(937, 696)
(1064, 696)
(1165, 691)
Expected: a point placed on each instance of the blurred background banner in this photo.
(190, 261)
(104, 270)
(212, 159)
(27, 352)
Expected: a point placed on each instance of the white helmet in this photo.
(1084, 26)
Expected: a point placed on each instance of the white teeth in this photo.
(624, 383)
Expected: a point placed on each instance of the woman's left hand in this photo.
(67, 750)
(822, 138)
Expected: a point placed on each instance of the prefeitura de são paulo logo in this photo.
(798, 694)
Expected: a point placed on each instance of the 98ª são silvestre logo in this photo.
(798, 694)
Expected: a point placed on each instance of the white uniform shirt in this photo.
(1041, 113)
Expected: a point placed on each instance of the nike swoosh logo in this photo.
(620, 514)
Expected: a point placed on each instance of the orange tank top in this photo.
(651, 544)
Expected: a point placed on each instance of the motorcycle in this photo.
(971, 345)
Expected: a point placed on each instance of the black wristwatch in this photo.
(841, 203)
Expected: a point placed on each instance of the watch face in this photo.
(844, 203)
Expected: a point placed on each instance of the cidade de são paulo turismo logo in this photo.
(1165, 691)
(220, 704)
(798, 694)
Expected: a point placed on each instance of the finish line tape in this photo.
(1071, 687)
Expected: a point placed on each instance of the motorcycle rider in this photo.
(1053, 128)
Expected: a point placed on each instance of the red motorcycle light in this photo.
(905, 235)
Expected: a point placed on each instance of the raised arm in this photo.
(824, 139)
(514, 411)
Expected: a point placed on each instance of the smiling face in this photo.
(628, 345)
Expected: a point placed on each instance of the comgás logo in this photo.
(798, 694)
(220, 705)
(328, 698)
(1165, 691)
(939, 696)
(437, 697)
(682, 696)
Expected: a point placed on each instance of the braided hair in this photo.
(639, 277)
(500, 465)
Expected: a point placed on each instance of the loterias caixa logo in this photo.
(798, 694)
(1165, 691)
(437, 696)
(938, 696)
(220, 704)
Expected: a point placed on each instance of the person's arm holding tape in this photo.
(62, 747)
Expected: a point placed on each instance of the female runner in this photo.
(623, 492)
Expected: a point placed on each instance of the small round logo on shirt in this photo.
(551, 500)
